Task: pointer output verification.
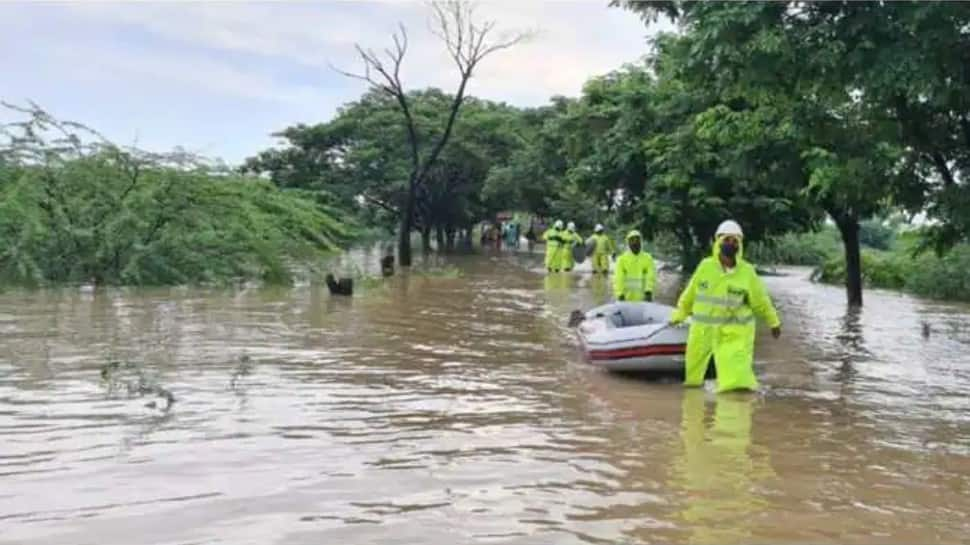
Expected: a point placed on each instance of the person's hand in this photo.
(648, 296)
(776, 332)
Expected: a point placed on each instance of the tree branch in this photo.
(375, 201)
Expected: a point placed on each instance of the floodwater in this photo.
(443, 410)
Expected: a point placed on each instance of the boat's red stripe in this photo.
(638, 352)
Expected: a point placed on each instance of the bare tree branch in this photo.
(467, 43)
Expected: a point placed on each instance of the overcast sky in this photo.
(219, 77)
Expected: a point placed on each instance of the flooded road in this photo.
(455, 410)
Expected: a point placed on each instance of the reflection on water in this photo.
(454, 410)
(718, 471)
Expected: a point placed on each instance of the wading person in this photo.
(603, 248)
(635, 275)
(554, 243)
(722, 299)
(570, 238)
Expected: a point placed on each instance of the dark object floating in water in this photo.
(576, 317)
(387, 265)
(345, 286)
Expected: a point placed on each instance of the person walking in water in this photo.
(570, 238)
(635, 275)
(722, 299)
(603, 248)
(554, 242)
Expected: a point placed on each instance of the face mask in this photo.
(729, 250)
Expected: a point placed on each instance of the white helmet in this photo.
(558, 224)
(598, 228)
(729, 227)
(571, 226)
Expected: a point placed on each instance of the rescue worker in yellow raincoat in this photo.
(722, 299)
(635, 276)
(554, 239)
(603, 248)
(570, 238)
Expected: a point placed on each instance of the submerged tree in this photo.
(75, 207)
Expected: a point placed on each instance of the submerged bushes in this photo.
(77, 208)
(889, 261)
(927, 275)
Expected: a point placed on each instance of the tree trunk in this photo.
(407, 221)
(450, 236)
(849, 228)
(689, 256)
(439, 236)
(426, 239)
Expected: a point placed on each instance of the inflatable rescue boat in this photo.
(632, 337)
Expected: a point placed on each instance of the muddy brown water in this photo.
(455, 410)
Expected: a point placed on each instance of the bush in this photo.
(807, 249)
(946, 277)
(942, 278)
(874, 233)
(72, 212)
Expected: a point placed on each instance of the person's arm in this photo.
(619, 280)
(762, 306)
(685, 303)
(651, 275)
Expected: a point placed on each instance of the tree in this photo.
(467, 43)
(75, 207)
(779, 69)
(360, 158)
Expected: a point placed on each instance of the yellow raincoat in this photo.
(634, 274)
(722, 305)
(553, 238)
(603, 249)
(570, 239)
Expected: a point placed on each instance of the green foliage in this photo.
(876, 233)
(927, 274)
(879, 270)
(861, 107)
(362, 158)
(806, 249)
(74, 212)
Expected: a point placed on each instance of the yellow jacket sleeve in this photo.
(761, 302)
(619, 277)
(685, 303)
(610, 246)
(651, 274)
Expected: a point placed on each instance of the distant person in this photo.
(722, 299)
(635, 275)
(603, 248)
(514, 234)
(554, 239)
(569, 240)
